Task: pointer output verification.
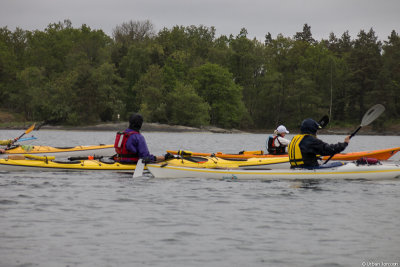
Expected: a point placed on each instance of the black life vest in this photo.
(275, 150)
(120, 147)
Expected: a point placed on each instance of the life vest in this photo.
(120, 147)
(294, 151)
(276, 150)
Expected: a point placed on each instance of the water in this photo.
(110, 219)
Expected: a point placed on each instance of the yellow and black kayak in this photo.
(98, 150)
(220, 163)
(49, 163)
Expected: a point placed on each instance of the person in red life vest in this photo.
(130, 144)
(277, 144)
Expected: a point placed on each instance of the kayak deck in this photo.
(54, 165)
(99, 150)
(214, 162)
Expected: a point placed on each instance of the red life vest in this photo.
(120, 147)
(272, 149)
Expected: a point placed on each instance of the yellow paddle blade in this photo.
(30, 129)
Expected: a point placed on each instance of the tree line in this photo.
(189, 76)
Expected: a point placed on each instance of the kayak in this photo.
(98, 150)
(44, 163)
(381, 154)
(347, 170)
(33, 162)
(215, 162)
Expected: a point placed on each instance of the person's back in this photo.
(305, 148)
(130, 145)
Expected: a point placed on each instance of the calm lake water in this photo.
(109, 219)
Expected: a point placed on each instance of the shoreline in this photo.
(157, 127)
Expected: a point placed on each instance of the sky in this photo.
(259, 17)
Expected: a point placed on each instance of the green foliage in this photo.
(187, 75)
(216, 86)
(151, 95)
(187, 108)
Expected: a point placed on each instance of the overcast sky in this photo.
(227, 16)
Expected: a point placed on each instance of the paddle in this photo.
(85, 158)
(27, 139)
(139, 169)
(323, 121)
(30, 129)
(371, 115)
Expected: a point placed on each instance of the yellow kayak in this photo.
(220, 163)
(45, 163)
(49, 163)
(98, 150)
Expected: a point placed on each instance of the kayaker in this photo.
(4, 143)
(131, 145)
(277, 143)
(305, 148)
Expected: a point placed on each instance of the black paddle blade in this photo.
(323, 121)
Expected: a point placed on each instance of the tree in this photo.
(388, 87)
(365, 64)
(151, 95)
(305, 35)
(186, 107)
(216, 86)
(133, 31)
(247, 65)
(30, 96)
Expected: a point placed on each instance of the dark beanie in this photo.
(135, 121)
(309, 126)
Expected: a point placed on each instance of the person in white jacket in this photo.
(277, 143)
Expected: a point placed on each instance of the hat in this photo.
(281, 129)
(309, 126)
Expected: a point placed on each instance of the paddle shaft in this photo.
(372, 114)
(30, 129)
(356, 131)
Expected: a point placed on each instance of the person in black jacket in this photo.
(305, 148)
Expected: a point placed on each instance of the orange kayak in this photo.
(381, 154)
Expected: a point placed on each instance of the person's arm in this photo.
(331, 149)
(143, 150)
(137, 144)
(283, 141)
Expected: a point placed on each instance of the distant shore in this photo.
(157, 127)
(147, 127)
